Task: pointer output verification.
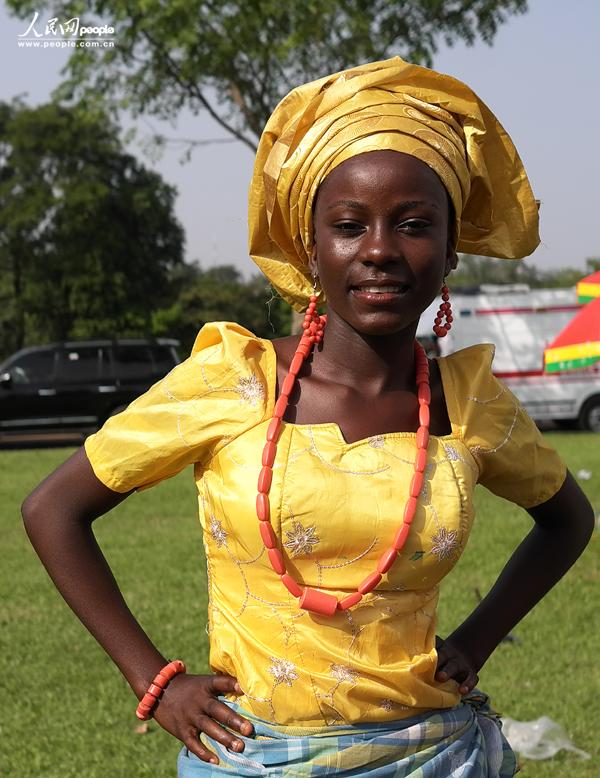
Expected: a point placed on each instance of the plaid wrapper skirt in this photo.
(461, 742)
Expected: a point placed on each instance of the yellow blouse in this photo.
(335, 507)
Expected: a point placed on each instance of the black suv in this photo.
(74, 387)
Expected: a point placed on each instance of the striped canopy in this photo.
(578, 345)
(588, 288)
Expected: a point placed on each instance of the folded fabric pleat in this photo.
(385, 105)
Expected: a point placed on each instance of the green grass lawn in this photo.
(66, 711)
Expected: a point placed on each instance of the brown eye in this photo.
(348, 226)
(414, 225)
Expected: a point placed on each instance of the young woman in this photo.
(336, 470)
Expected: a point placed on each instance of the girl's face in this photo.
(383, 240)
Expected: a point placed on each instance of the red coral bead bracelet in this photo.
(146, 706)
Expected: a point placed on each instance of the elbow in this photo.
(588, 525)
(569, 513)
(580, 526)
(583, 519)
(69, 497)
(30, 512)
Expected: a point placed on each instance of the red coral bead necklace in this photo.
(311, 599)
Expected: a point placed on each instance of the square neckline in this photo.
(447, 388)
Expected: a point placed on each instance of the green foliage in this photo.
(473, 271)
(249, 53)
(220, 294)
(89, 234)
(69, 713)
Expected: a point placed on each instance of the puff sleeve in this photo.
(513, 458)
(215, 395)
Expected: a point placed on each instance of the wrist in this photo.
(471, 645)
(147, 705)
(144, 675)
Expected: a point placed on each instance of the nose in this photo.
(380, 245)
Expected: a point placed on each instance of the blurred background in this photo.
(174, 101)
(127, 137)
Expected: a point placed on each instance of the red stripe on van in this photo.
(519, 373)
(546, 309)
(576, 375)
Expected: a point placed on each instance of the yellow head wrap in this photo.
(385, 105)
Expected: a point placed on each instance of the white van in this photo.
(521, 322)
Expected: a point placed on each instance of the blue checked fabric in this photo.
(461, 742)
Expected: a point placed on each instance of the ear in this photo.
(451, 259)
(312, 261)
(452, 239)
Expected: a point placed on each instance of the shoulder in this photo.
(227, 340)
(284, 349)
(227, 359)
(223, 355)
(469, 363)
(468, 381)
(219, 392)
(499, 434)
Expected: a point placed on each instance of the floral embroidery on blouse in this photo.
(445, 543)
(283, 671)
(301, 539)
(218, 533)
(425, 495)
(390, 705)
(250, 389)
(377, 441)
(343, 673)
(451, 453)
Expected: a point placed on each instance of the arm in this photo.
(563, 526)
(58, 517)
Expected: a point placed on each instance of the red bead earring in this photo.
(313, 323)
(445, 310)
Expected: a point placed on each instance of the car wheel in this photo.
(589, 418)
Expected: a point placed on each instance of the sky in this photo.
(540, 77)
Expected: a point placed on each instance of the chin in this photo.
(381, 325)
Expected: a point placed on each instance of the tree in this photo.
(220, 294)
(88, 234)
(474, 271)
(237, 58)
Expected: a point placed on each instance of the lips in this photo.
(379, 287)
(379, 294)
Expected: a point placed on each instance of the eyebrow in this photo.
(356, 204)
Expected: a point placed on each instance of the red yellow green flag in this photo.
(588, 288)
(578, 345)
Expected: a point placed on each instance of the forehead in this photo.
(377, 174)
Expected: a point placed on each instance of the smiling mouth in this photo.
(380, 290)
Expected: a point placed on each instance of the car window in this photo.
(106, 370)
(79, 364)
(133, 362)
(33, 368)
(163, 359)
